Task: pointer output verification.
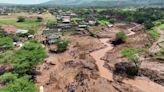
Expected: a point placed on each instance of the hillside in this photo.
(104, 2)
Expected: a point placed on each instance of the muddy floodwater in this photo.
(142, 84)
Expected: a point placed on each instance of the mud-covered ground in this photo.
(76, 71)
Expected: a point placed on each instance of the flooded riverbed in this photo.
(142, 84)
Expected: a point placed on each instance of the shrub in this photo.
(21, 19)
(154, 34)
(8, 77)
(62, 45)
(160, 55)
(93, 34)
(126, 68)
(31, 54)
(148, 24)
(120, 38)
(131, 52)
(20, 85)
(39, 19)
(6, 43)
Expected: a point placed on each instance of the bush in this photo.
(8, 78)
(120, 38)
(126, 68)
(39, 19)
(154, 34)
(62, 45)
(31, 54)
(148, 24)
(131, 52)
(20, 85)
(160, 55)
(93, 34)
(6, 43)
(21, 19)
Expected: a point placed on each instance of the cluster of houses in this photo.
(6, 10)
(65, 22)
(68, 21)
(11, 30)
(14, 30)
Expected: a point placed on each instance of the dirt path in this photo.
(142, 84)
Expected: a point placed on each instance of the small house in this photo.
(82, 26)
(66, 19)
(10, 30)
(22, 31)
(110, 25)
(52, 38)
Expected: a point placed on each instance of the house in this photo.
(82, 26)
(66, 19)
(91, 22)
(110, 26)
(52, 38)
(14, 30)
(22, 31)
(10, 30)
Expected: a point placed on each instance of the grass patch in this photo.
(130, 52)
(28, 24)
(160, 55)
(161, 26)
(154, 34)
(103, 22)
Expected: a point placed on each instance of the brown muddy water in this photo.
(142, 84)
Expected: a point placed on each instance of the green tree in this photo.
(148, 24)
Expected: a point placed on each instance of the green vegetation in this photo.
(161, 26)
(31, 54)
(6, 43)
(20, 85)
(144, 16)
(24, 61)
(62, 45)
(21, 19)
(131, 52)
(154, 34)
(8, 78)
(76, 20)
(121, 36)
(160, 55)
(6, 57)
(148, 24)
(103, 22)
(39, 19)
(30, 24)
(93, 34)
